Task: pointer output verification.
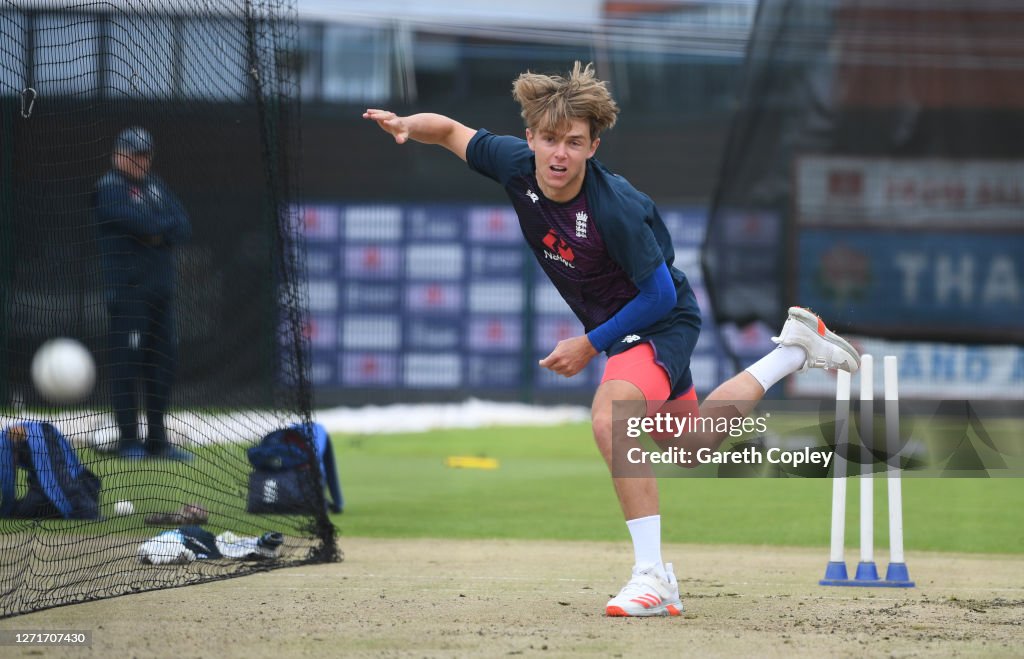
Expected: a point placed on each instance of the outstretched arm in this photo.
(427, 128)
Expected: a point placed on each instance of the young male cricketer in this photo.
(605, 248)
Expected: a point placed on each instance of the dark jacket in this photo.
(137, 223)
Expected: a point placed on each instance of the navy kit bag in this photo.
(291, 467)
(59, 485)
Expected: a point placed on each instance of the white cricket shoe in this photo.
(824, 348)
(648, 593)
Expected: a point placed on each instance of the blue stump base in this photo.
(896, 576)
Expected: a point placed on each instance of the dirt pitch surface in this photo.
(442, 598)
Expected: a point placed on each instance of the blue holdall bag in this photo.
(59, 485)
(291, 468)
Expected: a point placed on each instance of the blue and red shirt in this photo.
(596, 247)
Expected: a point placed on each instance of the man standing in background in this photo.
(138, 221)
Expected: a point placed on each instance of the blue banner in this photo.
(928, 285)
(446, 296)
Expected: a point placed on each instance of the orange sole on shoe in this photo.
(618, 612)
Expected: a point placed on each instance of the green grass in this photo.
(217, 479)
(551, 484)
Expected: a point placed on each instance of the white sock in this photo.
(777, 364)
(646, 534)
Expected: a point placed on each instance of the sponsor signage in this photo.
(321, 261)
(378, 224)
(493, 224)
(434, 262)
(496, 333)
(361, 296)
(546, 299)
(433, 334)
(433, 296)
(928, 194)
(432, 370)
(496, 261)
(925, 284)
(321, 372)
(705, 372)
(374, 332)
(917, 248)
(688, 260)
(496, 296)
(436, 223)
(750, 341)
(323, 295)
(320, 223)
(748, 263)
(494, 372)
(933, 371)
(369, 369)
(552, 329)
(372, 261)
(322, 331)
(686, 226)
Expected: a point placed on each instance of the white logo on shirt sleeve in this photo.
(532, 195)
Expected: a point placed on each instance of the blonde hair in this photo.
(551, 102)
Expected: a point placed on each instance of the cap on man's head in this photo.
(135, 139)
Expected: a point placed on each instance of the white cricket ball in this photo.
(63, 371)
(124, 508)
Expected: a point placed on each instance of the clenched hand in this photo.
(570, 356)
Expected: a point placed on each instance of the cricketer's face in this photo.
(561, 156)
(133, 165)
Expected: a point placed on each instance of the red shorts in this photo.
(639, 367)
